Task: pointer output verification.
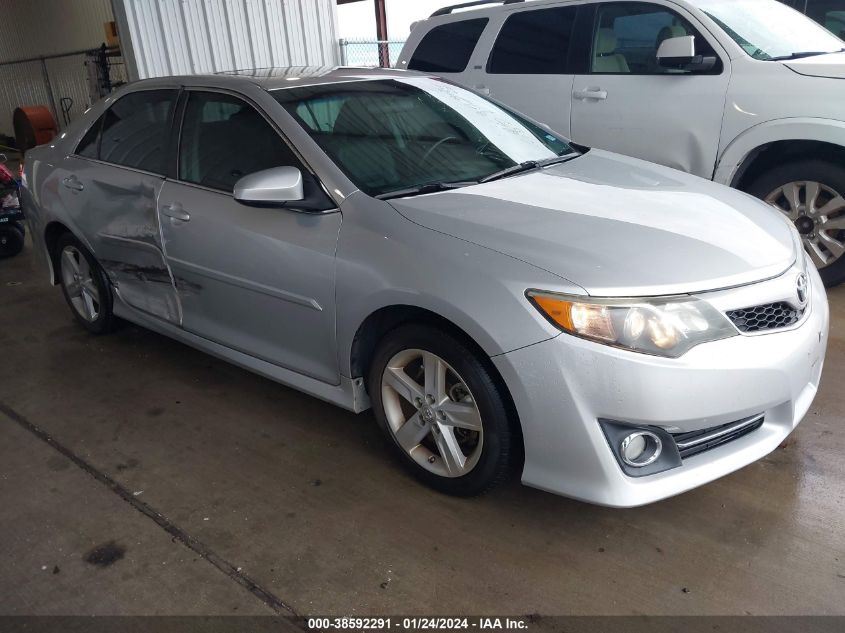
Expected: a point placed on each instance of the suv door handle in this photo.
(175, 211)
(591, 93)
(72, 182)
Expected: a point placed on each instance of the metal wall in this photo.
(172, 37)
(33, 28)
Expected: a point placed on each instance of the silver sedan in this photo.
(504, 300)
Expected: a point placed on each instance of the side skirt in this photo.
(350, 394)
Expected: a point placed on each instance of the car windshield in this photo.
(391, 135)
(769, 30)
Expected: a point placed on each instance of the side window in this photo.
(89, 146)
(448, 47)
(628, 34)
(224, 139)
(829, 13)
(136, 129)
(534, 43)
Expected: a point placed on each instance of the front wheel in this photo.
(441, 409)
(810, 193)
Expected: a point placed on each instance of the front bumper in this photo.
(563, 386)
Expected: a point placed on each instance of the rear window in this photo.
(448, 47)
(534, 43)
(135, 131)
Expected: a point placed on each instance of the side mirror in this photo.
(269, 187)
(678, 53)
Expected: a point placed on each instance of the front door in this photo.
(626, 103)
(258, 280)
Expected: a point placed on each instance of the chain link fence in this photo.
(66, 84)
(384, 53)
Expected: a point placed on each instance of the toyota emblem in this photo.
(801, 289)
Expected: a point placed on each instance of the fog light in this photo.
(640, 448)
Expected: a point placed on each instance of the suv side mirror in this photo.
(270, 187)
(678, 53)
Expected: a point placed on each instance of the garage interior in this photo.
(141, 477)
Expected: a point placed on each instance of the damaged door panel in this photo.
(116, 207)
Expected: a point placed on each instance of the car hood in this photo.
(831, 65)
(617, 226)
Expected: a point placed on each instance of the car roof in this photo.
(280, 77)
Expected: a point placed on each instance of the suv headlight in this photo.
(662, 326)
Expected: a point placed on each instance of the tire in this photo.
(85, 286)
(11, 240)
(447, 421)
(824, 182)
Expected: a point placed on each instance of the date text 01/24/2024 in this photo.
(418, 623)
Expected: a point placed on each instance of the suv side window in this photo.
(135, 130)
(448, 47)
(534, 43)
(224, 138)
(829, 13)
(627, 35)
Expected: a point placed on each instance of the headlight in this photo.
(663, 326)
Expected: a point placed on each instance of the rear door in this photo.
(626, 103)
(111, 190)
(258, 280)
(528, 64)
(447, 49)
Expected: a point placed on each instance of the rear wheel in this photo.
(441, 409)
(85, 286)
(11, 240)
(811, 193)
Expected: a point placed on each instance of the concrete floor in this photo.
(138, 476)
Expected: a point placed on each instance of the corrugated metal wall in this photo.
(172, 37)
(32, 28)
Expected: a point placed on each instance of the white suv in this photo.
(748, 93)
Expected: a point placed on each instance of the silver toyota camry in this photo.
(502, 299)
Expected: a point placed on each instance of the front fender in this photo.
(385, 260)
(742, 147)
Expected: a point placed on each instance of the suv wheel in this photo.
(811, 193)
(441, 410)
(85, 286)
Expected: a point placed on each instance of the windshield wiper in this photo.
(429, 187)
(528, 165)
(804, 54)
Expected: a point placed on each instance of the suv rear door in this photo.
(527, 64)
(446, 49)
(626, 103)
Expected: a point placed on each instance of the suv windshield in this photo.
(769, 30)
(392, 135)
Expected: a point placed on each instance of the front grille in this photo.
(769, 316)
(695, 442)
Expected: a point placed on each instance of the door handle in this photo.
(591, 93)
(175, 211)
(72, 182)
(484, 90)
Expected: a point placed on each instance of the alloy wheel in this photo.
(431, 413)
(818, 213)
(79, 284)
